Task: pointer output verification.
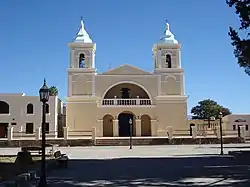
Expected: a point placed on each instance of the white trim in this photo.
(81, 70)
(93, 85)
(159, 85)
(169, 70)
(80, 102)
(128, 75)
(169, 53)
(171, 98)
(184, 85)
(170, 76)
(128, 82)
(127, 106)
(159, 59)
(179, 57)
(69, 85)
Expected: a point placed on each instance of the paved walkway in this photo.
(103, 152)
(168, 165)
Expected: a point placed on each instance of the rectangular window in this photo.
(47, 128)
(234, 127)
(29, 128)
(246, 127)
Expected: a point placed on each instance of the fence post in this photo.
(10, 133)
(194, 132)
(65, 133)
(242, 132)
(38, 133)
(94, 135)
(170, 132)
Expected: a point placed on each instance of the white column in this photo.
(93, 85)
(170, 132)
(94, 135)
(38, 133)
(242, 131)
(65, 133)
(115, 128)
(194, 132)
(99, 128)
(138, 127)
(10, 133)
(69, 85)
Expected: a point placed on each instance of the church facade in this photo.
(126, 99)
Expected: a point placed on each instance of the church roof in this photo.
(82, 35)
(168, 36)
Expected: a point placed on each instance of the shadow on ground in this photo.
(176, 171)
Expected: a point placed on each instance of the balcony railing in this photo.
(122, 102)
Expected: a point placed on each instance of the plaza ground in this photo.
(170, 165)
(107, 152)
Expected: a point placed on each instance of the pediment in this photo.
(126, 70)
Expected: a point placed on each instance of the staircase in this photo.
(126, 141)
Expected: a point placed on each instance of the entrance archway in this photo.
(108, 125)
(145, 125)
(124, 126)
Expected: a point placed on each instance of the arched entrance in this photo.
(124, 126)
(108, 125)
(145, 125)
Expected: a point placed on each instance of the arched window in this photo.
(30, 108)
(4, 107)
(47, 109)
(168, 61)
(82, 61)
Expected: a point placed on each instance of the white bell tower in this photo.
(82, 51)
(167, 64)
(82, 71)
(166, 52)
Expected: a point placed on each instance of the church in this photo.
(126, 100)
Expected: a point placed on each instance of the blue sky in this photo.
(34, 37)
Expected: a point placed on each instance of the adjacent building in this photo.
(152, 102)
(235, 121)
(24, 114)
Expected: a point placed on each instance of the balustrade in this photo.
(122, 102)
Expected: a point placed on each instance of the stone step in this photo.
(126, 142)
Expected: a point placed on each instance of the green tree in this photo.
(241, 43)
(53, 91)
(207, 109)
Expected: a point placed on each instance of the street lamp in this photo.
(221, 142)
(44, 98)
(131, 128)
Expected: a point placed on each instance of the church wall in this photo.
(137, 111)
(82, 84)
(81, 115)
(171, 113)
(171, 84)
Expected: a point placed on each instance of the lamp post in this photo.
(221, 139)
(131, 128)
(44, 98)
